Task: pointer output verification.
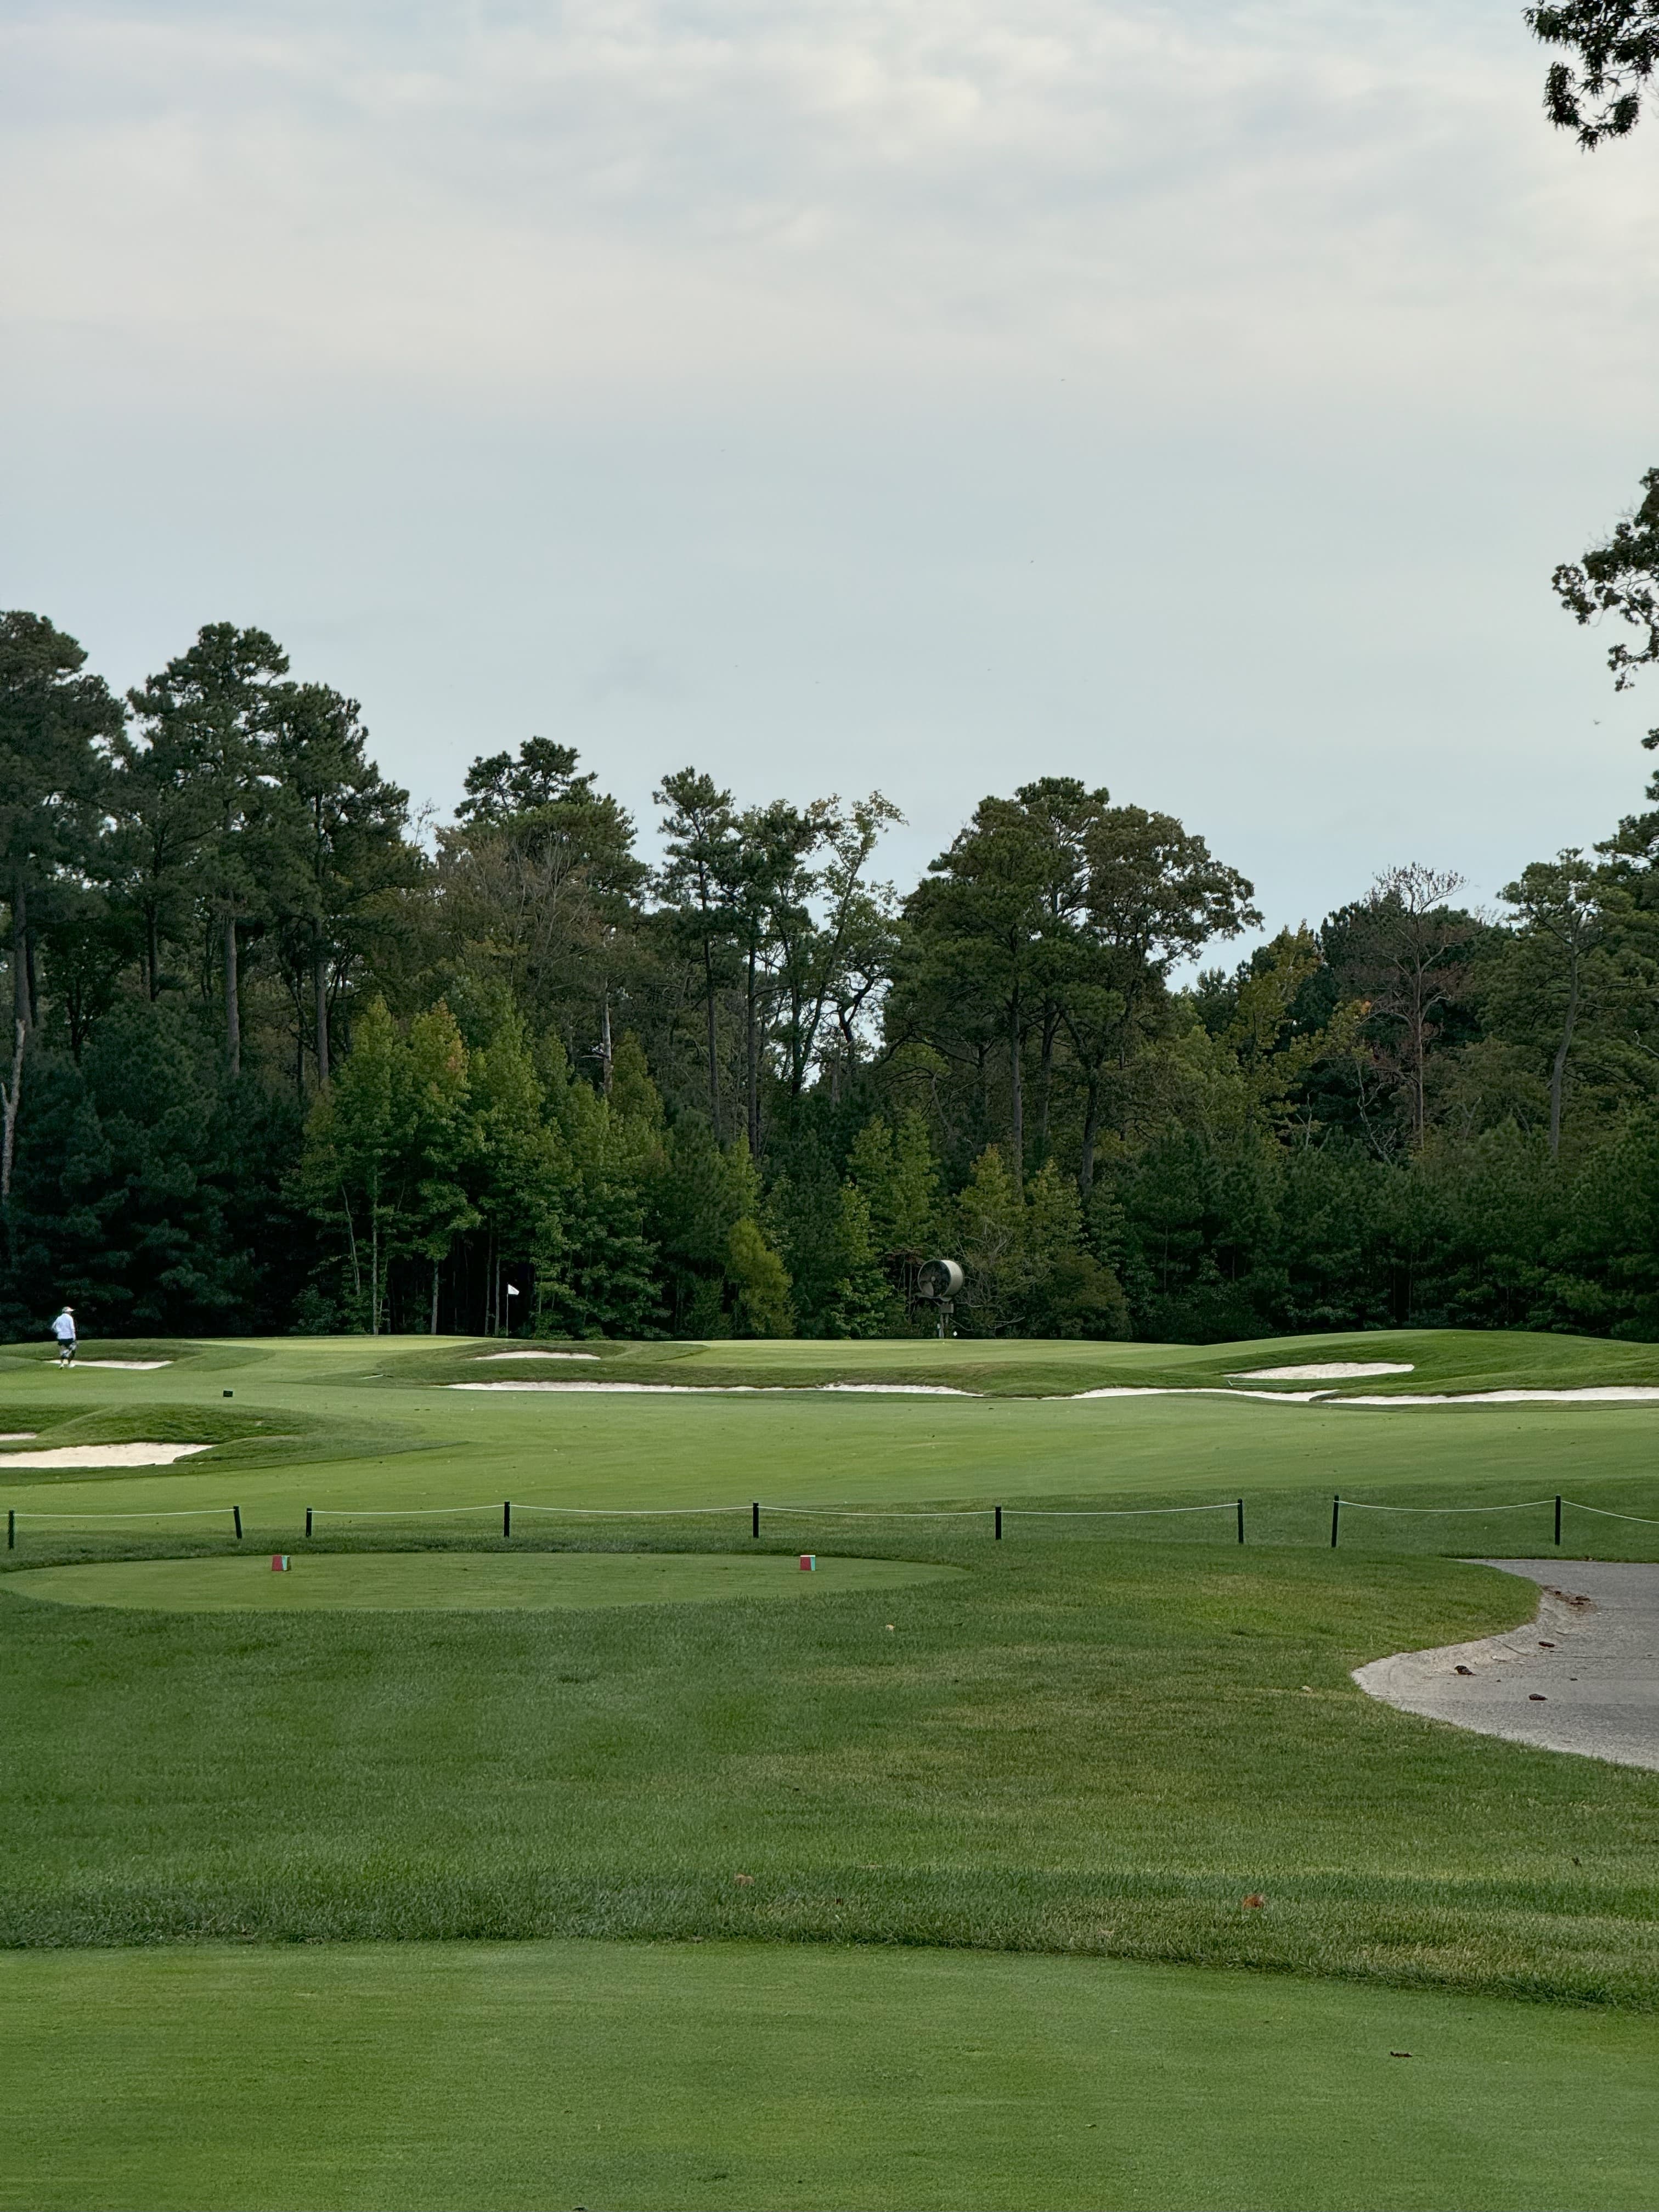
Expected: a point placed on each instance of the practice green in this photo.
(411, 1582)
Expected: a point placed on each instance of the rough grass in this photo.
(1079, 1749)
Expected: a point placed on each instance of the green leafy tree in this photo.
(1614, 45)
(1620, 579)
(701, 886)
(209, 717)
(864, 1304)
(56, 725)
(349, 853)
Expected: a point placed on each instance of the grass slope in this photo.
(1072, 1747)
(748, 2076)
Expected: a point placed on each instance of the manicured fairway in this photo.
(355, 1582)
(653, 2077)
(348, 1424)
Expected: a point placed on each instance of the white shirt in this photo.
(63, 1328)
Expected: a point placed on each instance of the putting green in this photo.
(410, 1581)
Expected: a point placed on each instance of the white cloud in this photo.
(1194, 396)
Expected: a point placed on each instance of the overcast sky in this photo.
(926, 394)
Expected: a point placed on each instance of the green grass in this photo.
(1077, 1747)
(369, 1439)
(1441, 1360)
(1091, 1744)
(448, 1581)
(652, 2077)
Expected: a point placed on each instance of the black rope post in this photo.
(11, 1530)
(1336, 1508)
(236, 1516)
(1558, 1522)
(999, 1515)
(754, 1518)
(1241, 1520)
(507, 1517)
(307, 1523)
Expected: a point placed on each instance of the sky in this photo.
(920, 395)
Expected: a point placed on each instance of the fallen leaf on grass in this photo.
(1254, 1899)
(745, 1880)
(1400, 2054)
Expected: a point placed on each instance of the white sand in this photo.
(17, 1436)
(538, 1355)
(1325, 1371)
(736, 1390)
(1619, 1394)
(137, 1366)
(1193, 1390)
(103, 1455)
(902, 1390)
(1612, 1394)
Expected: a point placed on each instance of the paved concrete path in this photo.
(1583, 1676)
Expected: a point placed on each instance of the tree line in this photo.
(283, 1059)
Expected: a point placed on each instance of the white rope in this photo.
(172, 1513)
(858, 1513)
(395, 1512)
(1606, 1514)
(1524, 1505)
(629, 1513)
(1114, 1512)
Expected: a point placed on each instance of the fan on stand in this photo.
(938, 1281)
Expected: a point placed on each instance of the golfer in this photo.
(63, 1329)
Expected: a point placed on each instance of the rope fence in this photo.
(996, 1513)
(170, 1513)
(1519, 1505)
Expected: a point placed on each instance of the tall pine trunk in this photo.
(319, 994)
(233, 1010)
(1017, 1096)
(1085, 1173)
(713, 1061)
(13, 1092)
(753, 1064)
(1558, 1069)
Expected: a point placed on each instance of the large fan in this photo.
(937, 1282)
(939, 1279)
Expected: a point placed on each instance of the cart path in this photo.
(1582, 1676)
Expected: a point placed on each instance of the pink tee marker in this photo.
(279, 1562)
(809, 1563)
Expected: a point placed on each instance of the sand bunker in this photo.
(16, 1436)
(1194, 1391)
(1325, 1371)
(103, 1455)
(1612, 1394)
(1582, 1676)
(538, 1355)
(134, 1366)
(737, 1390)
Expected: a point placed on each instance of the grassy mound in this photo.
(1449, 1360)
(452, 1580)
